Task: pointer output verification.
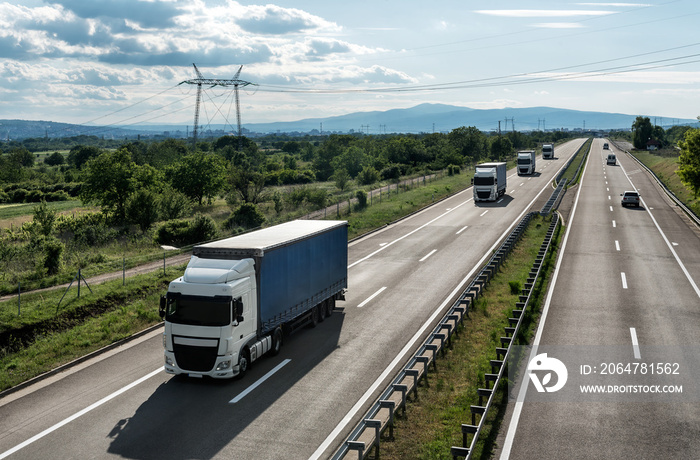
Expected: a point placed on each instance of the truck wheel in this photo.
(321, 312)
(276, 342)
(243, 363)
(330, 305)
(314, 317)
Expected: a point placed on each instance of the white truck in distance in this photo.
(526, 162)
(489, 181)
(239, 295)
(547, 151)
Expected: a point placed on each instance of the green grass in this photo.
(665, 165)
(14, 210)
(432, 424)
(393, 206)
(574, 166)
(56, 336)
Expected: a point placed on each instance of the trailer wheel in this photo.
(314, 317)
(243, 362)
(321, 312)
(330, 305)
(276, 342)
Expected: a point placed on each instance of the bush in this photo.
(515, 287)
(361, 196)
(453, 170)
(184, 232)
(247, 216)
(391, 172)
(53, 250)
(368, 176)
(55, 159)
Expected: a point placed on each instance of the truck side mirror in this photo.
(239, 318)
(472, 181)
(161, 309)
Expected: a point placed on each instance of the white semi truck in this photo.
(239, 295)
(548, 151)
(526, 162)
(489, 181)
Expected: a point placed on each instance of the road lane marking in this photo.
(482, 214)
(608, 197)
(624, 280)
(80, 414)
(369, 299)
(663, 235)
(408, 234)
(517, 410)
(512, 191)
(419, 334)
(428, 255)
(617, 245)
(635, 343)
(611, 209)
(499, 201)
(614, 224)
(462, 229)
(257, 383)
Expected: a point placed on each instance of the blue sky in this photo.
(120, 61)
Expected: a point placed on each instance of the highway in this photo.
(301, 403)
(625, 291)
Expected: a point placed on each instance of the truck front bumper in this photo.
(224, 367)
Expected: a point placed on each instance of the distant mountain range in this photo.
(423, 118)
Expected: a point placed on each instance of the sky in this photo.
(123, 62)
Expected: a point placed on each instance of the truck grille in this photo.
(483, 195)
(198, 359)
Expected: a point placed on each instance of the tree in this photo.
(501, 147)
(198, 175)
(247, 183)
(689, 160)
(341, 178)
(142, 208)
(642, 132)
(55, 159)
(469, 142)
(22, 157)
(81, 154)
(111, 178)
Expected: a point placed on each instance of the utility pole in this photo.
(499, 127)
(211, 82)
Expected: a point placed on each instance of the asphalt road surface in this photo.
(625, 296)
(301, 403)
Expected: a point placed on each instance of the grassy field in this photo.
(432, 423)
(664, 164)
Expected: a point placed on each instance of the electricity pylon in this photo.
(211, 82)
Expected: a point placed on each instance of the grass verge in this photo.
(665, 165)
(43, 338)
(432, 424)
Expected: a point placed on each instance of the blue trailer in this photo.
(239, 295)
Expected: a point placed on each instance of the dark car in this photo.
(630, 198)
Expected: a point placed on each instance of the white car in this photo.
(630, 198)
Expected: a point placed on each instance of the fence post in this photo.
(19, 294)
(163, 263)
(79, 278)
(123, 271)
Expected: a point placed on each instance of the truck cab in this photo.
(210, 315)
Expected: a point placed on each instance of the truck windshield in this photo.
(524, 161)
(479, 180)
(199, 311)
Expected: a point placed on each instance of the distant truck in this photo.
(489, 181)
(239, 295)
(547, 151)
(526, 162)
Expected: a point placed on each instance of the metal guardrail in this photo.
(689, 212)
(568, 163)
(366, 436)
(502, 353)
(554, 200)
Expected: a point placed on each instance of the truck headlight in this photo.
(223, 365)
(168, 361)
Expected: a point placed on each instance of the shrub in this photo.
(368, 176)
(391, 172)
(53, 250)
(361, 196)
(55, 159)
(247, 216)
(515, 287)
(184, 232)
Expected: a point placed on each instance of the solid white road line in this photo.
(245, 392)
(513, 426)
(369, 299)
(635, 343)
(80, 414)
(428, 255)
